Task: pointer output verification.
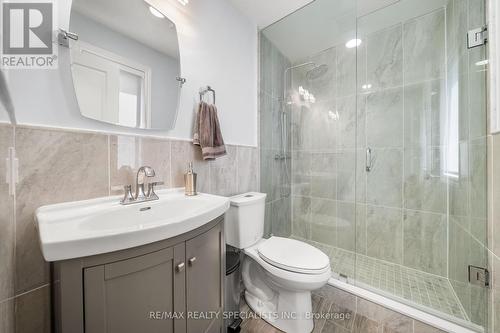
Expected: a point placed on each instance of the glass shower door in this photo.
(421, 156)
(308, 103)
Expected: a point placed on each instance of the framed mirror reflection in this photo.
(125, 63)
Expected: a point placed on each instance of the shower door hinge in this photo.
(477, 37)
(12, 173)
(479, 276)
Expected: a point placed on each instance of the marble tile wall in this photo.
(467, 207)
(406, 190)
(276, 173)
(60, 166)
(392, 107)
(494, 230)
(7, 240)
(423, 205)
(324, 150)
(493, 242)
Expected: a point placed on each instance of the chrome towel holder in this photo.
(203, 91)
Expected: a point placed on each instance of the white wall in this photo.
(218, 47)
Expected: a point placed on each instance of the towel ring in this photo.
(204, 91)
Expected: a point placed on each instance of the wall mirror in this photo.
(125, 63)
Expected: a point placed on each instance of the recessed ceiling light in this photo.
(183, 2)
(155, 12)
(353, 43)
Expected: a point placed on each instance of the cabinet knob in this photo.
(191, 261)
(180, 267)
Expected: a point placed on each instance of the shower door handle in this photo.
(369, 160)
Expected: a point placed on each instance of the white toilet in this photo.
(279, 273)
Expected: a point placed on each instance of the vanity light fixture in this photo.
(353, 43)
(183, 2)
(156, 13)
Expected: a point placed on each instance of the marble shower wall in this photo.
(275, 175)
(403, 104)
(467, 207)
(493, 144)
(7, 239)
(59, 166)
(494, 230)
(324, 150)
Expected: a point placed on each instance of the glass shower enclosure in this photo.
(373, 145)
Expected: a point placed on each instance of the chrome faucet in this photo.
(140, 194)
(139, 185)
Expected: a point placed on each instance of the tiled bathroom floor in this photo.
(358, 316)
(253, 324)
(422, 289)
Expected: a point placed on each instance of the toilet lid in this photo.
(294, 255)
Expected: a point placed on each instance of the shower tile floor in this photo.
(425, 290)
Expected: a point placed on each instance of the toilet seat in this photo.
(293, 255)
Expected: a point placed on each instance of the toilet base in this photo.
(290, 312)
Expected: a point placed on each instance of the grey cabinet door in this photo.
(140, 294)
(204, 282)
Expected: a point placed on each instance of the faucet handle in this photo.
(151, 190)
(127, 197)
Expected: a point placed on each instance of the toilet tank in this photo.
(244, 223)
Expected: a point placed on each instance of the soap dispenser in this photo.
(190, 181)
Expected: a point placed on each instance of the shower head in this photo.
(317, 71)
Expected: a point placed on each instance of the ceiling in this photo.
(326, 23)
(318, 24)
(316, 27)
(133, 19)
(265, 12)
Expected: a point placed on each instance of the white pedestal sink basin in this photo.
(90, 227)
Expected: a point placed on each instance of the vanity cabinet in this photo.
(174, 285)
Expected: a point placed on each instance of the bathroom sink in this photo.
(84, 228)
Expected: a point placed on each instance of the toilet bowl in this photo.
(278, 273)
